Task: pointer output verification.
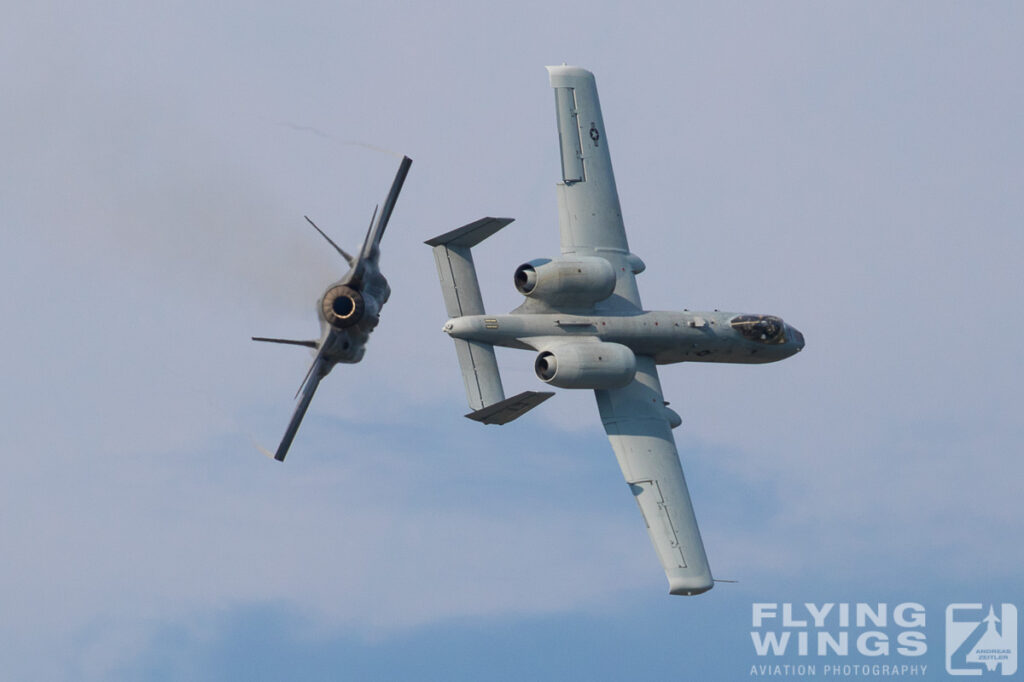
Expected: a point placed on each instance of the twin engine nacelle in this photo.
(566, 282)
(594, 364)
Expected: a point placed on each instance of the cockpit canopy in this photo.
(760, 328)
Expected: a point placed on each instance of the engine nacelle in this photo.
(594, 364)
(342, 306)
(566, 282)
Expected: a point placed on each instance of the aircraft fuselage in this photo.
(668, 337)
(342, 343)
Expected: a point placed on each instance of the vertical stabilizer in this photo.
(455, 265)
(462, 297)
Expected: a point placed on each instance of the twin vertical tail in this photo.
(461, 290)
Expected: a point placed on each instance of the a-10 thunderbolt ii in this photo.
(348, 310)
(583, 318)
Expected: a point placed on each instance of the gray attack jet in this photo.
(348, 310)
(583, 318)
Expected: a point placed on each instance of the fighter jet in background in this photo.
(348, 310)
(583, 318)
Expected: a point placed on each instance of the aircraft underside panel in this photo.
(656, 515)
(637, 425)
(569, 135)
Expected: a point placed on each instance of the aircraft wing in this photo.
(380, 220)
(316, 372)
(637, 424)
(589, 215)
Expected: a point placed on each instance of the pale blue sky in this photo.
(853, 168)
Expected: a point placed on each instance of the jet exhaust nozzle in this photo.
(566, 282)
(546, 366)
(586, 365)
(525, 279)
(342, 306)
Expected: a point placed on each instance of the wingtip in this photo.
(686, 585)
(566, 76)
(266, 452)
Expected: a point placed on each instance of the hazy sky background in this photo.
(853, 167)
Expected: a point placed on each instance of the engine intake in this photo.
(342, 306)
(566, 282)
(593, 364)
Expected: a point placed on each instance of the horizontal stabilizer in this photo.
(479, 372)
(308, 344)
(455, 267)
(510, 408)
(454, 258)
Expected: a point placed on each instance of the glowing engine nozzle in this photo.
(342, 306)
